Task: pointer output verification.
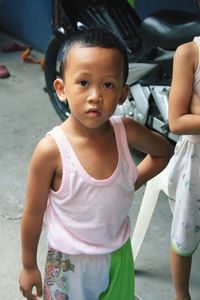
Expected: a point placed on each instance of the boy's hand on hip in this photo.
(28, 280)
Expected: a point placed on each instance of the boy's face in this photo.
(93, 84)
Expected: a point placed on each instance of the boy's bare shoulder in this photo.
(133, 130)
(47, 148)
(129, 123)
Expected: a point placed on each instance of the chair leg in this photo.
(149, 201)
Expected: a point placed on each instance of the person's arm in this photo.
(181, 119)
(41, 172)
(157, 148)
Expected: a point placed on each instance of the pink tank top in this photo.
(88, 215)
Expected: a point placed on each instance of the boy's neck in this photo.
(72, 128)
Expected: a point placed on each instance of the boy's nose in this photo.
(95, 96)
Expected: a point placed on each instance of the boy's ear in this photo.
(60, 89)
(124, 94)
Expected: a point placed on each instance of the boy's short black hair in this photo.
(95, 37)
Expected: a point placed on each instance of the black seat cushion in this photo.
(170, 28)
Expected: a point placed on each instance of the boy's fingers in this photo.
(27, 295)
(24, 293)
(39, 290)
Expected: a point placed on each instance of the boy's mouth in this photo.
(93, 112)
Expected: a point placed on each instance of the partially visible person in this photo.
(184, 166)
(82, 179)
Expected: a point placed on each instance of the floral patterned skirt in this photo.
(90, 277)
(184, 193)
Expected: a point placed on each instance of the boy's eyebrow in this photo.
(90, 73)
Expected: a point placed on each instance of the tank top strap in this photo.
(61, 142)
(197, 41)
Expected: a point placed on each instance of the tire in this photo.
(52, 64)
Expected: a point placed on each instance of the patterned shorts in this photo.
(90, 277)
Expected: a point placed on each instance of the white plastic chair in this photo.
(150, 198)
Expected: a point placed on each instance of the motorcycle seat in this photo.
(170, 28)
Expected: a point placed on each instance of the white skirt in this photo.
(184, 194)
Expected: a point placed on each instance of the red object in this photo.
(15, 47)
(29, 57)
(4, 72)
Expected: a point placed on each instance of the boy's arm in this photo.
(41, 172)
(157, 148)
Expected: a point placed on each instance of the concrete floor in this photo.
(26, 114)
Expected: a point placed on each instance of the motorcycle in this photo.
(150, 44)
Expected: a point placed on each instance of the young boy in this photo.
(82, 179)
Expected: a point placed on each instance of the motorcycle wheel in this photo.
(52, 64)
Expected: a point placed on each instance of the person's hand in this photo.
(28, 280)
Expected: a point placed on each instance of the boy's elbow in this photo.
(169, 151)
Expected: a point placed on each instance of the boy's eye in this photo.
(83, 83)
(108, 85)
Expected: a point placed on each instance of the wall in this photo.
(28, 20)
